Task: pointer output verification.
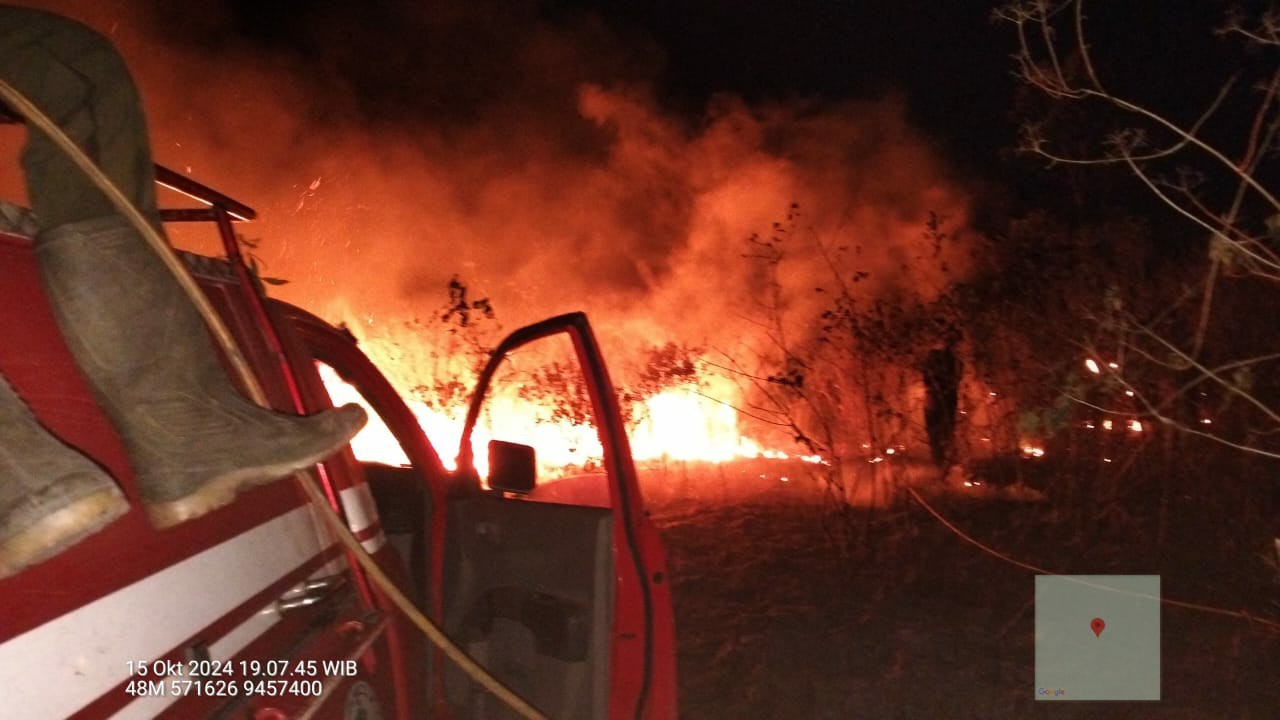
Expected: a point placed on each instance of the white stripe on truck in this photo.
(362, 511)
(59, 667)
(225, 648)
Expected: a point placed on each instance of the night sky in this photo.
(642, 136)
(949, 60)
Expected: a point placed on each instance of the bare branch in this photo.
(1083, 48)
(1195, 382)
(1229, 386)
(1266, 33)
(1202, 327)
(1214, 231)
(1057, 86)
(1182, 427)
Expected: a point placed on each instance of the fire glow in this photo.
(677, 424)
(589, 193)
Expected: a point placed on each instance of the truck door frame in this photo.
(632, 668)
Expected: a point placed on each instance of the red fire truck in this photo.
(256, 611)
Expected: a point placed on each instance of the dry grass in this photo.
(778, 618)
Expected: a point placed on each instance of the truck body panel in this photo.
(208, 618)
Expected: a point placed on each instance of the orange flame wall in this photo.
(568, 186)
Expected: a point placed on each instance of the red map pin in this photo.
(1097, 625)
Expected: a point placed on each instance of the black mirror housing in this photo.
(512, 467)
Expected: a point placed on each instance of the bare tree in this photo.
(1203, 366)
(1186, 170)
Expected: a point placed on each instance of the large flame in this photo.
(563, 182)
(376, 443)
(681, 423)
(684, 424)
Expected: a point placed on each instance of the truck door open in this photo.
(554, 579)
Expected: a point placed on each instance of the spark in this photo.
(1092, 366)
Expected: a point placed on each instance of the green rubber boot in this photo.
(194, 440)
(51, 496)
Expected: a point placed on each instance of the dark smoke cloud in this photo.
(392, 146)
(449, 65)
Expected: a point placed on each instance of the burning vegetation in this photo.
(768, 279)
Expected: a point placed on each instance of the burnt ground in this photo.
(782, 612)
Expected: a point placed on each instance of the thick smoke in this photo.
(390, 148)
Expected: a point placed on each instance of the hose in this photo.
(20, 104)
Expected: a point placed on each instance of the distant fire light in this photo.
(1092, 366)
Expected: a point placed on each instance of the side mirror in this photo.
(512, 467)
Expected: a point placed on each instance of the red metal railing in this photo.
(222, 211)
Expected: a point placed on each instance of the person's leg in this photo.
(947, 429)
(194, 440)
(933, 427)
(77, 78)
(51, 496)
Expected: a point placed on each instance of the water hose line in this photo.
(33, 115)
